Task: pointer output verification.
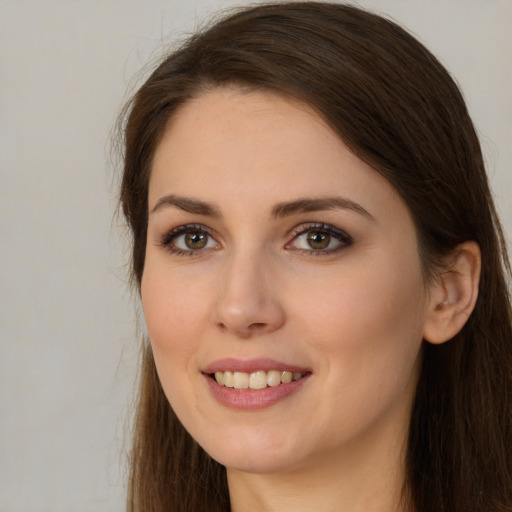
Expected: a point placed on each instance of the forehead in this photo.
(229, 144)
(217, 119)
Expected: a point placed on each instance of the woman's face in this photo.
(275, 254)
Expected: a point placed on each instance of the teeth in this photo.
(256, 380)
(240, 380)
(228, 380)
(286, 377)
(273, 378)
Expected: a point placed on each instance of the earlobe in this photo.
(453, 294)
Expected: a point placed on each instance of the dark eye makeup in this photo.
(189, 240)
(315, 238)
(319, 239)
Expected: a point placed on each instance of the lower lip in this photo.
(253, 399)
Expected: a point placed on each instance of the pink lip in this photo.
(252, 399)
(251, 365)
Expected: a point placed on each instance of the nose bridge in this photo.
(248, 302)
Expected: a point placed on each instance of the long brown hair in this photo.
(399, 110)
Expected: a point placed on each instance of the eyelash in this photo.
(169, 239)
(345, 240)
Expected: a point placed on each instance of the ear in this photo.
(453, 294)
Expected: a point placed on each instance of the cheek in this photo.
(173, 314)
(368, 321)
(369, 333)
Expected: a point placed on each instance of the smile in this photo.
(256, 380)
(253, 384)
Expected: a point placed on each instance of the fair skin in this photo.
(270, 243)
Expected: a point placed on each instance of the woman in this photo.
(322, 274)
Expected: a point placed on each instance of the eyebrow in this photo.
(188, 205)
(307, 205)
(280, 210)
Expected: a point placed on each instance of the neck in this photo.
(364, 478)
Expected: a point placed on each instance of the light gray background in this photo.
(68, 355)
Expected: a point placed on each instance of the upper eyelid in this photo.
(344, 239)
(320, 226)
(182, 229)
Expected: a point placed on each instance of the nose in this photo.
(247, 303)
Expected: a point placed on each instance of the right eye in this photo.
(189, 240)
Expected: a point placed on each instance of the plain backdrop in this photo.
(69, 350)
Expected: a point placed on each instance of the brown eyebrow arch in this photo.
(303, 205)
(188, 205)
(307, 205)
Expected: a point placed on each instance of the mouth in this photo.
(254, 384)
(257, 380)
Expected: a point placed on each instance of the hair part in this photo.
(399, 110)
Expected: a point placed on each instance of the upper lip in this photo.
(251, 365)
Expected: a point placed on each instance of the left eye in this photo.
(188, 239)
(324, 239)
(193, 241)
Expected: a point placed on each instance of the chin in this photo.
(255, 453)
(260, 463)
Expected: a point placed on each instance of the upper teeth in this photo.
(255, 380)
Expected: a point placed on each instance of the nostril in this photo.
(246, 317)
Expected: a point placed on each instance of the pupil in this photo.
(195, 240)
(317, 240)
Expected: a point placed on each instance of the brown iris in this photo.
(196, 240)
(318, 240)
